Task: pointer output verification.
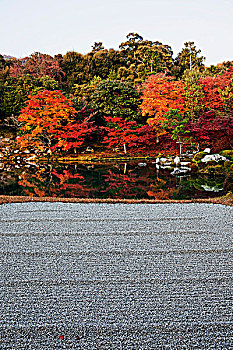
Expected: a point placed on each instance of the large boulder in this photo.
(211, 188)
(213, 158)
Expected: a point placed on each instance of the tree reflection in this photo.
(120, 180)
(47, 181)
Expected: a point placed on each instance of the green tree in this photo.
(195, 95)
(104, 62)
(15, 92)
(116, 99)
(144, 57)
(4, 73)
(188, 58)
(97, 46)
(74, 66)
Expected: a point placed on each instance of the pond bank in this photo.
(224, 200)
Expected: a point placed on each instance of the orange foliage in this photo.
(43, 118)
(159, 94)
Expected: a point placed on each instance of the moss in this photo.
(219, 169)
(228, 153)
(230, 171)
(200, 166)
(228, 164)
(194, 167)
(210, 169)
(212, 162)
(198, 156)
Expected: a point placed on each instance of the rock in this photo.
(163, 160)
(166, 167)
(180, 171)
(207, 150)
(33, 157)
(184, 163)
(89, 149)
(177, 160)
(211, 189)
(213, 157)
(142, 164)
(6, 139)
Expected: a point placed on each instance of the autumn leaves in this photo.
(194, 109)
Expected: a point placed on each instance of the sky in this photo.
(58, 26)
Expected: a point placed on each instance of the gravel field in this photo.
(116, 276)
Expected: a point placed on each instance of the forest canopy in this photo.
(137, 93)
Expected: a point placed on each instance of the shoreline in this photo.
(224, 200)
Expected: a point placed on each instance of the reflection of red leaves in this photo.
(150, 193)
(39, 192)
(53, 184)
(163, 193)
(121, 186)
(120, 182)
(66, 175)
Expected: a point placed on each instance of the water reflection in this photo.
(120, 180)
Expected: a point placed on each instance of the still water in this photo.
(120, 180)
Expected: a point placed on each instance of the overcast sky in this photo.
(58, 26)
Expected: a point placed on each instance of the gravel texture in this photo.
(116, 276)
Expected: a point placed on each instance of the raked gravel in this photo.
(116, 276)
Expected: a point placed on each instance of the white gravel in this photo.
(116, 276)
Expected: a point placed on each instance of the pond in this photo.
(132, 180)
